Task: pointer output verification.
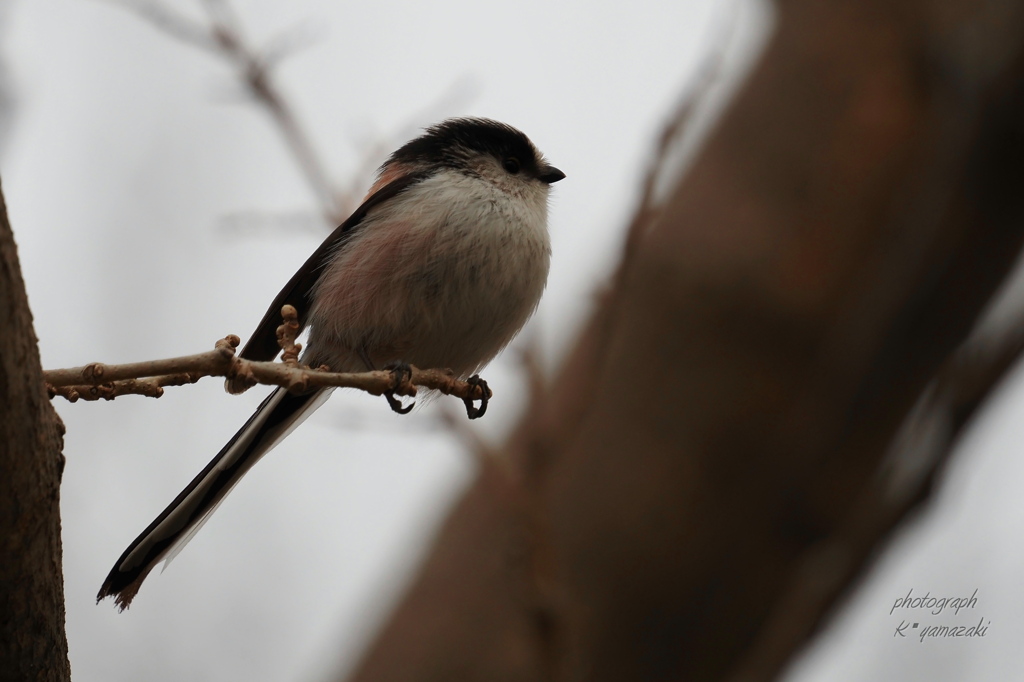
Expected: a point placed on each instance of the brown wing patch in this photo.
(392, 172)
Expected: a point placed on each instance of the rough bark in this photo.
(713, 445)
(33, 645)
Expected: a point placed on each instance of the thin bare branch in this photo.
(97, 380)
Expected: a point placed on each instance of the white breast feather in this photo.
(443, 275)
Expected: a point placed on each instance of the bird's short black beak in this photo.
(550, 174)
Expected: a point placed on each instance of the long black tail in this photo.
(167, 535)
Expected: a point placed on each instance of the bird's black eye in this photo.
(511, 164)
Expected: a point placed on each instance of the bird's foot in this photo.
(485, 392)
(400, 373)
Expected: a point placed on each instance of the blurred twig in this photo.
(680, 123)
(223, 36)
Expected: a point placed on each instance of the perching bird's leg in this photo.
(401, 372)
(485, 392)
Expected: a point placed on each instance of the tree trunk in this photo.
(33, 645)
(701, 482)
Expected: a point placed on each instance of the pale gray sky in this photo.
(128, 152)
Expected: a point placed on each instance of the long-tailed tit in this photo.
(441, 266)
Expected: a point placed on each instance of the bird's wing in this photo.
(273, 420)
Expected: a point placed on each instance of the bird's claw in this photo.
(400, 373)
(476, 412)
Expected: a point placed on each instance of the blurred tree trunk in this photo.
(702, 481)
(33, 645)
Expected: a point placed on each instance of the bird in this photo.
(440, 266)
